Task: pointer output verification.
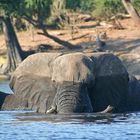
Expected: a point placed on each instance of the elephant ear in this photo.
(111, 82)
(38, 91)
(37, 64)
(31, 81)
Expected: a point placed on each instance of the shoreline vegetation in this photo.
(127, 38)
(67, 26)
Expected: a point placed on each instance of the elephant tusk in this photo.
(109, 109)
(51, 110)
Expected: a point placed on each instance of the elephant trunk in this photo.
(71, 98)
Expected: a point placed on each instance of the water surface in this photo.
(28, 125)
(4, 86)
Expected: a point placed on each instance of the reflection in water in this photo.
(4, 87)
(27, 125)
(74, 118)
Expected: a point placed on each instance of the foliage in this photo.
(8, 7)
(87, 5)
(97, 8)
(40, 10)
(73, 4)
(107, 8)
(37, 9)
(82, 5)
(57, 10)
(136, 4)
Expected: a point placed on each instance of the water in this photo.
(23, 125)
(28, 125)
(4, 87)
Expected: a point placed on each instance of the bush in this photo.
(87, 5)
(107, 8)
(82, 5)
(73, 4)
(136, 4)
(97, 8)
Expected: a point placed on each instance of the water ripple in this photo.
(27, 125)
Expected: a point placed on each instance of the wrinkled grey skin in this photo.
(103, 89)
(133, 98)
(71, 98)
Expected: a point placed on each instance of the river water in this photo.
(28, 125)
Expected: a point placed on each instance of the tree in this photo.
(57, 9)
(35, 12)
(14, 51)
(132, 11)
(36, 19)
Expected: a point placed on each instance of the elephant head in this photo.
(60, 86)
(69, 83)
(73, 74)
(71, 98)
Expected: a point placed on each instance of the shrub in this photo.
(97, 8)
(107, 8)
(136, 4)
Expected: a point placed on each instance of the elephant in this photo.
(133, 99)
(70, 83)
(2, 98)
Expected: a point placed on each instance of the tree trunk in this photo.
(44, 27)
(14, 51)
(132, 11)
(59, 41)
(57, 9)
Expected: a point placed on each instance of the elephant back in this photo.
(107, 64)
(37, 64)
(133, 100)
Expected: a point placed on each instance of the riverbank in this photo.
(124, 43)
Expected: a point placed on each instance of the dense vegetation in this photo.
(38, 12)
(43, 14)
